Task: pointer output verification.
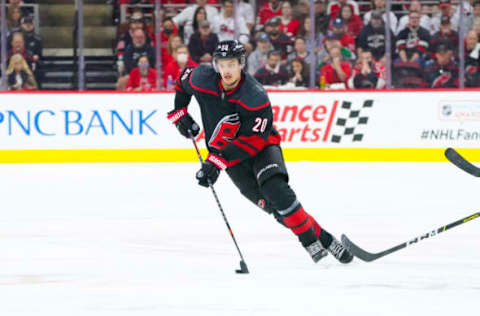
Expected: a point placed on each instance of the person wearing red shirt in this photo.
(333, 8)
(353, 23)
(167, 52)
(169, 30)
(173, 70)
(267, 11)
(142, 77)
(288, 24)
(347, 40)
(336, 71)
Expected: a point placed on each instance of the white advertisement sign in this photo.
(46, 121)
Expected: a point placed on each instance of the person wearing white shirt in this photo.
(224, 25)
(185, 18)
(245, 10)
(379, 5)
(425, 21)
(467, 13)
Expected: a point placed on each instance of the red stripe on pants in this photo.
(302, 228)
(299, 222)
(315, 225)
(296, 218)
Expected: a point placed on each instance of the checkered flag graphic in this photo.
(351, 121)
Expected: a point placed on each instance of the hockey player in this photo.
(237, 120)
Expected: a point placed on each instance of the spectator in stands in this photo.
(280, 41)
(331, 40)
(379, 5)
(136, 16)
(372, 38)
(203, 43)
(224, 26)
(425, 21)
(136, 22)
(334, 7)
(143, 77)
(322, 19)
(472, 60)
(139, 47)
(173, 42)
(269, 10)
(33, 41)
(258, 58)
(472, 46)
(199, 15)
(445, 34)
(301, 10)
(353, 23)
(469, 17)
(367, 74)
(185, 18)
(474, 18)
(273, 73)
(476, 11)
(443, 72)
(19, 75)
(317, 45)
(299, 74)
(245, 10)
(169, 30)
(335, 71)
(288, 24)
(299, 49)
(468, 13)
(412, 43)
(476, 26)
(445, 10)
(339, 29)
(17, 45)
(175, 67)
(14, 15)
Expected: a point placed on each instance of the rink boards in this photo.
(52, 127)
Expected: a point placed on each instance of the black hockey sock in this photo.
(301, 225)
(325, 238)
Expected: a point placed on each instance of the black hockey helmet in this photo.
(229, 49)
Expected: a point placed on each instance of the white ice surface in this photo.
(145, 239)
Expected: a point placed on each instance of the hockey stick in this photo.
(461, 162)
(243, 265)
(368, 256)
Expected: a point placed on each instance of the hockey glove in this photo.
(184, 122)
(210, 170)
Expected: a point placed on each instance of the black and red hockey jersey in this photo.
(237, 123)
(438, 76)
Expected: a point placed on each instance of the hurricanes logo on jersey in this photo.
(225, 131)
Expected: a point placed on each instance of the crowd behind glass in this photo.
(349, 47)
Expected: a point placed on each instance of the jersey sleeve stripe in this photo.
(178, 87)
(201, 89)
(250, 108)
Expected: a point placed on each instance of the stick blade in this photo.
(357, 251)
(243, 268)
(454, 157)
